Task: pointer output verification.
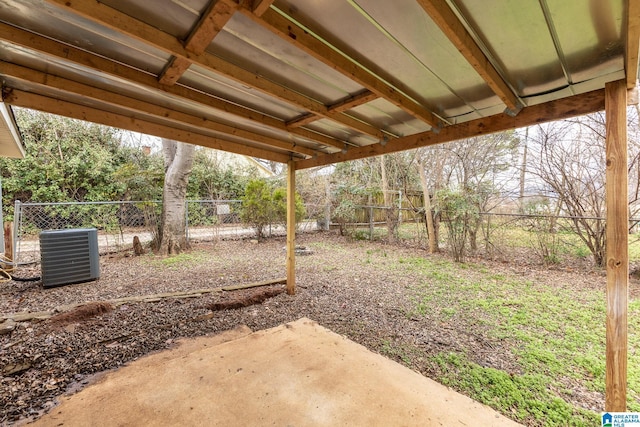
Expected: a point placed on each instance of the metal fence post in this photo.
(186, 219)
(17, 220)
(327, 208)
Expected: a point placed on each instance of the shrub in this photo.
(263, 205)
(459, 211)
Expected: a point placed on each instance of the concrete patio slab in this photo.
(297, 374)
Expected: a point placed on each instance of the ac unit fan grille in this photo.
(69, 256)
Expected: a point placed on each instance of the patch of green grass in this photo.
(557, 336)
(634, 248)
(374, 254)
(526, 398)
(182, 259)
(448, 312)
(581, 251)
(397, 351)
(362, 234)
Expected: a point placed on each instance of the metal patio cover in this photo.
(313, 81)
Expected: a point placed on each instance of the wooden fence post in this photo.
(8, 246)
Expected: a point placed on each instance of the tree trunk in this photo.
(473, 240)
(392, 222)
(178, 162)
(431, 231)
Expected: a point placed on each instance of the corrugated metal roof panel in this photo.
(220, 86)
(546, 46)
(364, 70)
(350, 28)
(257, 49)
(42, 18)
(174, 17)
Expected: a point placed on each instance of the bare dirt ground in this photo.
(343, 285)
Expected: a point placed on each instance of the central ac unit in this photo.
(69, 256)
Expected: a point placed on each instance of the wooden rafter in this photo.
(353, 101)
(261, 6)
(303, 120)
(632, 42)
(64, 52)
(303, 40)
(135, 105)
(550, 111)
(125, 24)
(455, 31)
(210, 24)
(339, 107)
(82, 112)
(175, 68)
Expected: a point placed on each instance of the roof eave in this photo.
(10, 139)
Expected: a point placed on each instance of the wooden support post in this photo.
(8, 244)
(291, 228)
(617, 245)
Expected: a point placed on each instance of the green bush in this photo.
(344, 213)
(263, 205)
(459, 211)
(545, 238)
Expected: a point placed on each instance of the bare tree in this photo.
(481, 166)
(568, 160)
(391, 212)
(633, 142)
(178, 162)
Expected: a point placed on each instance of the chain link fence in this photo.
(373, 223)
(119, 222)
(540, 239)
(211, 220)
(543, 238)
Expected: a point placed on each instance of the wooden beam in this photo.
(443, 16)
(65, 52)
(303, 120)
(212, 21)
(291, 227)
(541, 113)
(210, 24)
(105, 15)
(305, 41)
(132, 104)
(353, 101)
(632, 42)
(259, 7)
(339, 107)
(175, 68)
(280, 281)
(617, 246)
(55, 106)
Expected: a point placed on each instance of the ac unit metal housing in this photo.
(69, 256)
